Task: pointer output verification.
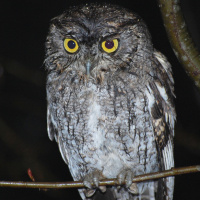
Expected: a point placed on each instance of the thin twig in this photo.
(79, 184)
(180, 39)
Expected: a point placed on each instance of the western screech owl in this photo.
(110, 101)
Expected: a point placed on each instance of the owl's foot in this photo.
(127, 175)
(93, 179)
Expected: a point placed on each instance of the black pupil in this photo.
(109, 44)
(71, 44)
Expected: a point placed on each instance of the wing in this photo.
(51, 125)
(160, 94)
(53, 133)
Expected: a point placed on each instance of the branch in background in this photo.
(180, 39)
(79, 184)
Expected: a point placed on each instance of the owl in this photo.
(110, 102)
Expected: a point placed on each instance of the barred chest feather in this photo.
(105, 128)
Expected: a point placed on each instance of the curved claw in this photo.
(89, 192)
(133, 188)
(90, 179)
(96, 175)
(127, 175)
(87, 183)
(121, 176)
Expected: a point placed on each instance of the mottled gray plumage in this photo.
(112, 114)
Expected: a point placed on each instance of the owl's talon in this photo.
(87, 184)
(96, 175)
(129, 178)
(127, 175)
(133, 188)
(89, 192)
(102, 188)
(118, 188)
(121, 176)
(93, 179)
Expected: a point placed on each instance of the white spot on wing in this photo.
(165, 64)
(162, 92)
(150, 97)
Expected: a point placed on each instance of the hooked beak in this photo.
(88, 67)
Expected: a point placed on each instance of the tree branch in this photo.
(180, 39)
(79, 184)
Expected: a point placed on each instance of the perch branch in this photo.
(180, 39)
(79, 184)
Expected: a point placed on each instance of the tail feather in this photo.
(161, 190)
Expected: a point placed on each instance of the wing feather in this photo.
(51, 126)
(53, 133)
(160, 93)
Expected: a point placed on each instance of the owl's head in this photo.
(96, 41)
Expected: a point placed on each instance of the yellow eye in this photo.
(110, 46)
(71, 45)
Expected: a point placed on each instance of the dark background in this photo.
(24, 142)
